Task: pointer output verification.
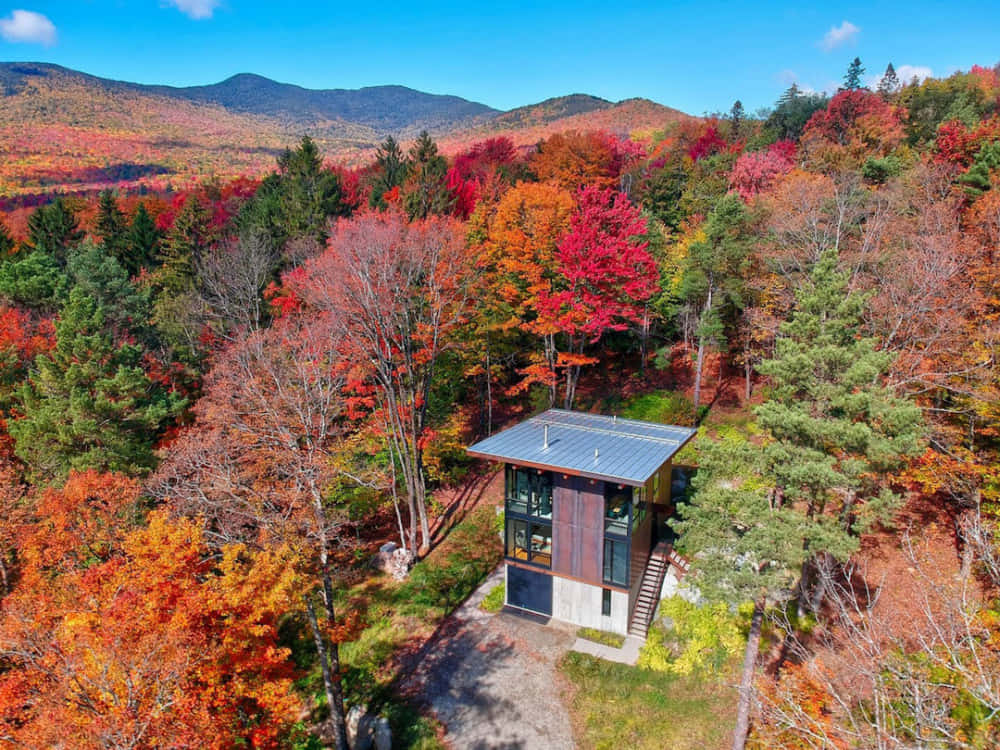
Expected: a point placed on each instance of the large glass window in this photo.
(616, 562)
(529, 492)
(619, 515)
(529, 516)
(617, 503)
(529, 542)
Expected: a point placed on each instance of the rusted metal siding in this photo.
(578, 528)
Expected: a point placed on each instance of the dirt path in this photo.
(492, 680)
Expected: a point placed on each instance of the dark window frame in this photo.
(541, 492)
(534, 523)
(606, 602)
(617, 535)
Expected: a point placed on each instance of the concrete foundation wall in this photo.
(580, 604)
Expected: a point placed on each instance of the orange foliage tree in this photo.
(574, 160)
(517, 257)
(257, 463)
(141, 638)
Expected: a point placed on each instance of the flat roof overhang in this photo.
(592, 446)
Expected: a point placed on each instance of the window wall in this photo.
(621, 515)
(528, 536)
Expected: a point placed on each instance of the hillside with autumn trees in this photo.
(219, 396)
(66, 131)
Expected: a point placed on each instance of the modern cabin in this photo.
(586, 499)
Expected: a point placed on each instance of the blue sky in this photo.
(696, 56)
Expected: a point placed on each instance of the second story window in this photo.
(618, 518)
(529, 492)
(617, 503)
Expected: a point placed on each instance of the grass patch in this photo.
(666, 407)
(493, 601)
(614, 640)
(618, 706)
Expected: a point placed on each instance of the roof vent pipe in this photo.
(597, 453)
(545, 445)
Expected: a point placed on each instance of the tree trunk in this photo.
(698, 364)
(329, 659)
(746, 683)
(421, 492)
(747, 374)
(551, 358)
(700, 360)
(644, 339)
(965, 523)
(489, 393)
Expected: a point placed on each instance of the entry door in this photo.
(529, 590)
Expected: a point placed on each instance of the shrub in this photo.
(700, 637)
(493, 601)
(878, 171)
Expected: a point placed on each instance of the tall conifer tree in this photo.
(112, 227)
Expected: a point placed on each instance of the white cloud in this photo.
(196, 9)
(839, 36)
(28, 26)
(905, 74)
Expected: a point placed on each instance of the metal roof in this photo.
(589, 445)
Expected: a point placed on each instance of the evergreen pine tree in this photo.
(88, 404)
(792, 111)
(392, 170)
(744, 547)
(309, 194)
(143, 241)
(759, 514)
(112, 227)
(836, 431)
(101, 277)
(852, 79)
(713, 277)
(737, 115)
(427, 192)
(53, 230)
(889, 83)
(979, 178)
(189, 237)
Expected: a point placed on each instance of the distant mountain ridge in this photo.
(61, 129)
(384, 109)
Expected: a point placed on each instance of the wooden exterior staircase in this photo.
(660, 560)
(649, 591)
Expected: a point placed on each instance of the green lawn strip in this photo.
(616, 706)
(614, 640)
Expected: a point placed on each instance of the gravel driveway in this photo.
(492, 680)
